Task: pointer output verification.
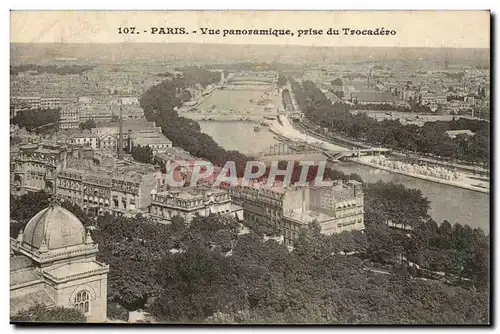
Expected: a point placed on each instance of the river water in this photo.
(240, 136)
(447, 202)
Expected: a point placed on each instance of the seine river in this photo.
(447, 202)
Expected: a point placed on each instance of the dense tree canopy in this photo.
(337, 82)
(87, 125)
(142, 154)
(44, 314)
(207, 273)
(32, 119)
(50, 69)
(282, 79)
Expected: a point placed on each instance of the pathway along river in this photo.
(447, 202)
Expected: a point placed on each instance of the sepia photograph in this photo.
(250, 167)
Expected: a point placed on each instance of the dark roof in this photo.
(19, 262)
(23, 276)
(374, 97)
(26, 301)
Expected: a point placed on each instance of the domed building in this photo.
(53, 261)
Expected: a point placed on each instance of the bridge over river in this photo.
(289, 147)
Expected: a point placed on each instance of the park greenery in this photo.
(87, 125)
(430, 139)
(43, 314)
(34, 119)
(50, 69)
(282, 80)
(142, 154)
(413, 107)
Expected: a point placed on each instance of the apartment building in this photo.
(34, 166)
(69, 116)
(85, 139)
(124, 189)
(338, 208)
(155, 140)
(190, 202)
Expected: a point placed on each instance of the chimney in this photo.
(120, 136)
(303, 202)
(129, 141)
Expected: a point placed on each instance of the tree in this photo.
(24, 207)
(87, 125)
(478, 267)
(41, 313)
(337, 82)
(282, 80)
(34, 119)
(142, 154)
(339, 94)
(116, 311)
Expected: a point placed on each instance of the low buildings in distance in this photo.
(105, 136)
(445, 89)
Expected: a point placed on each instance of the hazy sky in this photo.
(455, 29)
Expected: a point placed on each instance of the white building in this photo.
(53, 261)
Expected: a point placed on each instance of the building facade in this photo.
(190, 202)
(85, 139)
(336, 209)
(69, 116)
(120, 189)
(34, 167)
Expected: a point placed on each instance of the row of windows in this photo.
(346, 213)
(68, 183)
(165, 213)
(69, 193)
(352, 222)
(96, 190)
(37, 166)
(35, 177)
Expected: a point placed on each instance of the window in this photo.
(82, 302)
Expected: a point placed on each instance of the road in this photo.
(284, 128)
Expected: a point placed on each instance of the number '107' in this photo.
(126, 30)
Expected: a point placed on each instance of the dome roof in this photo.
(56, 226)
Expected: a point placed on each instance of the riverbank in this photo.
(283, 127)
(465, 182)
(230, 117)
(310, 128)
